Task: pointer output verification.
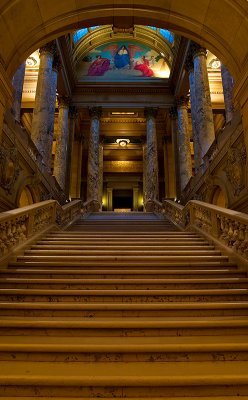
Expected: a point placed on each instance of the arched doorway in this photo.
(26, 197)
(219, 197)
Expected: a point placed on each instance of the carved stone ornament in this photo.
(9, 168)
(235, 168)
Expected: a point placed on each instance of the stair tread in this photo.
(124, 306)
(123, 374)
(127, 323)
(120, 292)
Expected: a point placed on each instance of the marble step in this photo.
(124, 327)
(123, 260)
(124, 310)
(130, 398)
(119, 349)
(128, 283)
(120, 233)
(122, 247)
(135, 379)
(207, 273)
(127, 295)
(25, 261)
(126, 252)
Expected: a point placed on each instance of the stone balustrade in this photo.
(225, 226)
(18, 226)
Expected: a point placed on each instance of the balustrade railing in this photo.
(19, 225)
(228, 227)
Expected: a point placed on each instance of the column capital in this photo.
(48, 48)
(173, 112)
(95, 112)
(197, 50)
(73, 112)
(189, 65)
(182, 102)
(150, 112)
(64, 101)
(57, 65)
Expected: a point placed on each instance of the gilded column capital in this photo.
(182, 102)
(64, 101)
(150, 112)
(173, 112)
(48, 48)
(95, 112)
(197, 50)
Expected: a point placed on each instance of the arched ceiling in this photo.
(221, 26)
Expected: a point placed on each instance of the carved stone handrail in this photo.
(18, 226)
(225, 226)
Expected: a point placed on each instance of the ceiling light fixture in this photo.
(122, 142)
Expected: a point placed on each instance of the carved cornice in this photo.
(119, 89)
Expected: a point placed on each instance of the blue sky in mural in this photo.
(122, 60)
(82, 32)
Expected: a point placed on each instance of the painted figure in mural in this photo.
(122, 58)
(144, 67)
(99, 66)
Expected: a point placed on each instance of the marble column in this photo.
(227, 83)
(144, 173)
(197, 149)
(100, 173)
(41, 115)
(174, 138)
(52, 108)
(60, 159)
(93, 156)
(184, 143)
(204, 113)
(72, 120)
(151, 155)
(17, 82)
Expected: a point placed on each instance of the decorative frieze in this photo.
(236, 168)
(9, 168)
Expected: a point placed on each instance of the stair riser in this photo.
(124, 314)
(121, 298)
(124, 356)
(111, 275)
(206, 266)
(128, 392)
(122, 332)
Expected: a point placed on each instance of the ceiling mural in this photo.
(122, 60)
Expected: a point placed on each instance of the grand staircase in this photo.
(123, 306)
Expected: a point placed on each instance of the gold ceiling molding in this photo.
(124, 120)
(123, 166)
